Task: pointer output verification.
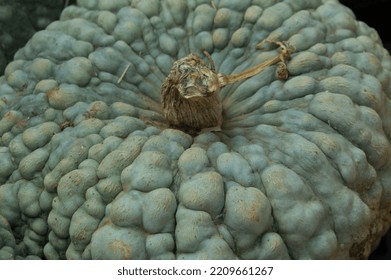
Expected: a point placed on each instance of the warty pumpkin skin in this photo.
(300, 169)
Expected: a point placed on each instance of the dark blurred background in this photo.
(20, 19)
(375, 13)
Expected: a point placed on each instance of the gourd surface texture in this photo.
(301, 168)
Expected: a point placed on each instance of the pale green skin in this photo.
(301, 168)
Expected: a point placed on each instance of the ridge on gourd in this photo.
(299, 170)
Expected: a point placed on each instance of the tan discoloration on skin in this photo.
(190, 98)
(53, 93)
(119, 247)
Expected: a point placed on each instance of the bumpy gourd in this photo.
(300, 169)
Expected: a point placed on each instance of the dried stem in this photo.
(123, 73)
(190, 99)
(212, 3)
(233, 78)
(284, 55)
(211, 62)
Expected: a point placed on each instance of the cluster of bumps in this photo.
(300, 170)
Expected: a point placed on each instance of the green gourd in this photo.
(300, 169)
